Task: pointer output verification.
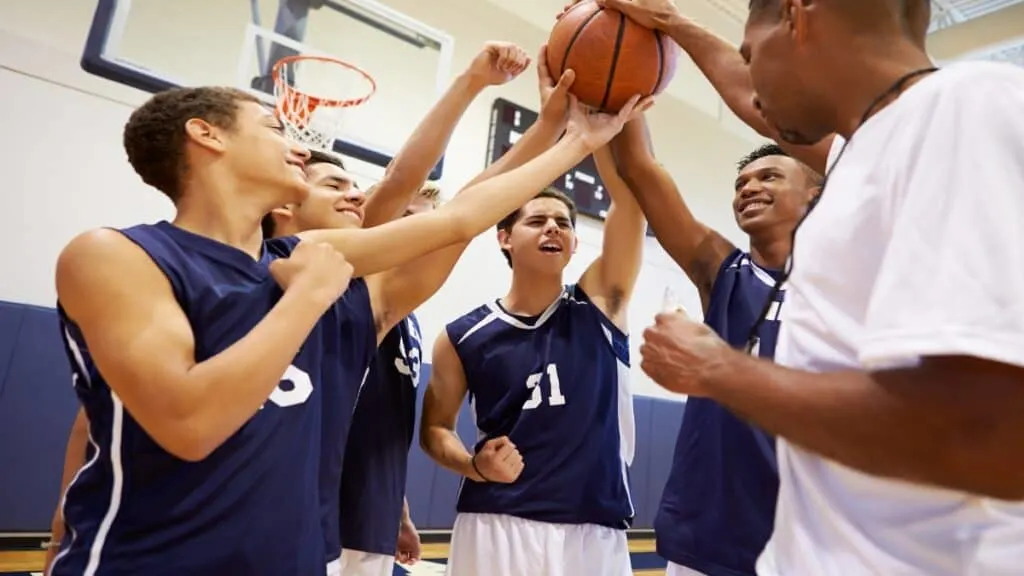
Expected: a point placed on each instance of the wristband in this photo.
(477, 470)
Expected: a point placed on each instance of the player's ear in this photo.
(503, 240)
(575, 244)
(204, 134)
(283, 214)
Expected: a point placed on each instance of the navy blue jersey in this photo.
(251, 506)
(718, 507)
(558, 386)
(353, 353)
(373, 483)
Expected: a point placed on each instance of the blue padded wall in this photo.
(38, 405)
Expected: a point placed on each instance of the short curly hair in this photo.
(155, 137)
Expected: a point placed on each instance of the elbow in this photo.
(190, 446)
(187, 439)
(462, 228)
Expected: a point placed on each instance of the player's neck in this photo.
(771, 252)
(877, 67)
(226, 218)
(532, 294)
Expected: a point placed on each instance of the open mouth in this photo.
(551, 248)
(753, 207)
(352, 211)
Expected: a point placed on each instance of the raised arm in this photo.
(723, 66)
(610, 279)
(396, 292)
(142, 342)
(481, 206)
(696, 248)
(497, 63)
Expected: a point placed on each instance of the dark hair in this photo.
(775, 150)
(915, 15)
(509, 221)
(267, 225)
(321, 157)
(154, 136)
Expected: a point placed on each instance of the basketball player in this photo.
(496, 63)
(898, 396)
(546, 368)
(716, 521)
(366, 326)
(374, 509)
(200, 350)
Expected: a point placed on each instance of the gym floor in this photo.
(30, 562)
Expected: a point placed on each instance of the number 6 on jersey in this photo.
(533, 383)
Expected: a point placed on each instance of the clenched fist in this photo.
(315, 269)
(498, 460)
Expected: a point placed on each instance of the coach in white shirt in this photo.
(900, 406)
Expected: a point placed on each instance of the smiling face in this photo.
(771, 192)
(541, 236)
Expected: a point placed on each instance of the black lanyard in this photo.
(897, 87)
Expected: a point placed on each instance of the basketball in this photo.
(614, 58)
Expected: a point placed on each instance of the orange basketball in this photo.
(613, 57)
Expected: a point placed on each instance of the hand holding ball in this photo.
(613, 57)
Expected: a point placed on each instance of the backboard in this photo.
(153, 45)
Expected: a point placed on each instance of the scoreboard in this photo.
(508, 123)
(582, 183)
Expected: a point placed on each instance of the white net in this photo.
(312, 95)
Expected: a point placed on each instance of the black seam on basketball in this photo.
(575, 35)
(661, 62)
(615, 60)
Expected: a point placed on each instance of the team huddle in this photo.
(248, 371)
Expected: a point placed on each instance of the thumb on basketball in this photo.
(565, 82)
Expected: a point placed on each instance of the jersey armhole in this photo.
(619, 340)
(735, 256)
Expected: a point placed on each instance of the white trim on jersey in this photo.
(497, 312)
(761, 273)
(359, 392)
(64, 498)
(626, 418)
(79, 360)
(487, 320)
(117, 472)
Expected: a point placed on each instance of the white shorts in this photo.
(359, 563)
(678, 570)
(501, 545)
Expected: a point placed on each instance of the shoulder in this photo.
(100, 249)
(281, 247)
(470, 322)
(104, 265)
(966, 95)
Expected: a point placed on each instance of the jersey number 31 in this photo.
(533, 381)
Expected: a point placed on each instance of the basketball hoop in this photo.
(315, 120)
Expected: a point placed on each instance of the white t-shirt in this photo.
(916, 248)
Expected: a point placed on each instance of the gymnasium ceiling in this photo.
(990, 29)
